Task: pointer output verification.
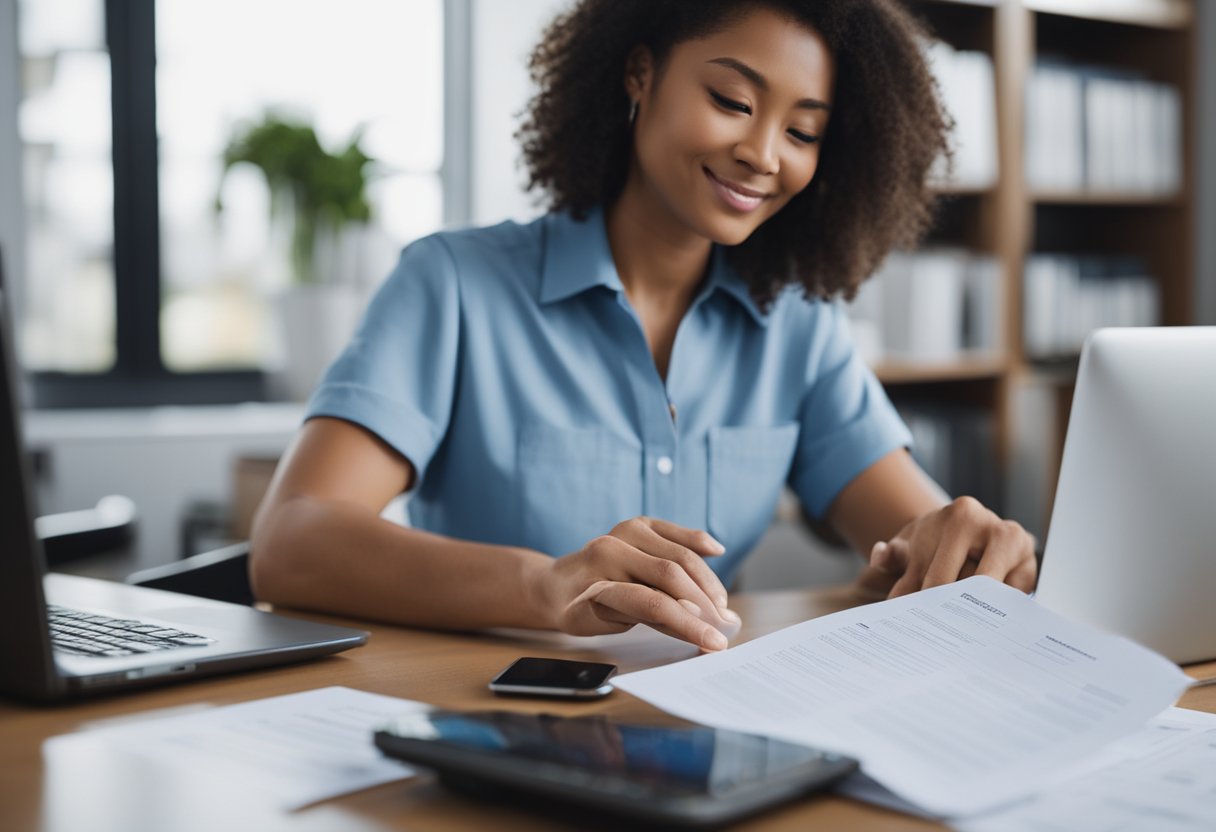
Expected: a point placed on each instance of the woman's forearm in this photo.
(338, 557)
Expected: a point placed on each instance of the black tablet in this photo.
(691, 776)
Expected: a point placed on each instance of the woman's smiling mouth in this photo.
(735, 195)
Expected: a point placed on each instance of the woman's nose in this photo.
(758, 149)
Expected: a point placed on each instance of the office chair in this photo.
(221, 575)
(70, 535)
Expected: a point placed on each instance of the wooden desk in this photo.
(42, 788)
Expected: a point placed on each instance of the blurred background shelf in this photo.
(1161, 14)
(1087, 218)
(894, 372)
(1128, 198)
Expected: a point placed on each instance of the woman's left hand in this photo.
(954, 542)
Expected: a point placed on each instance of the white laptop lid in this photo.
(1132, 544)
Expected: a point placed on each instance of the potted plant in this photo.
(320, 198)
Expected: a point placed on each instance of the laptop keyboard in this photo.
(87, 634)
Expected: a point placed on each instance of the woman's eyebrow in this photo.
(759, 80)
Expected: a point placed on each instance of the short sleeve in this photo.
(397, 376)
(847, 421)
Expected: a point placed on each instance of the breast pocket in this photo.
(575, 484)
(747, 467)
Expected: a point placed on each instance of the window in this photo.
(65, 127)
(139, 291)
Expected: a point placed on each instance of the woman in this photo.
(628, 381)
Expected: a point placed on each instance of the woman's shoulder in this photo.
(509, 251)
(494, 245)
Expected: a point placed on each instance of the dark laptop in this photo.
(63, 636)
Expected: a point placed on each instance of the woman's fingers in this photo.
(701, 542)
(670, 577)
(953, 543)
(874, 584)
(638, 575)
(625, 604)
(1025, 575)
(907, 558)
(673, 566)
(1009, 548)
(946, 564)
(908, 583)
(960, 530)
(611, 615)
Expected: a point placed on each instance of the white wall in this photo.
(502, 37)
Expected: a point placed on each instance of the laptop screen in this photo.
(1131, 547)
(26, 663)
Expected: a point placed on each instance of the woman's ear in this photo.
(639, 73)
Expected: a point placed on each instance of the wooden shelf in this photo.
(947, 190)
(1028, 399)
(1059, 370)
(1107, 198)
(1158, 14)
(897, 372)
(988, 3)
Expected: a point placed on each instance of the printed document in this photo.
(1163, 778)
(291, 750)
(958, 699)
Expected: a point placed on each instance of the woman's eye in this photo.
(804, 138)
(730, 104)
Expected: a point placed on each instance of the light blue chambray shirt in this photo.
(507, 365)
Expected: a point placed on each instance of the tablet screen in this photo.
(676, 760)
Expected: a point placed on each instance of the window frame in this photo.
(139, 377)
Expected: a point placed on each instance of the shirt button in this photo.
(665, 465)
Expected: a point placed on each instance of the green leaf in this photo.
(324, 188)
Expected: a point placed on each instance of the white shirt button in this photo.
(665, 465)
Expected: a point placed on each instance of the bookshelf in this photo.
(1145, 45)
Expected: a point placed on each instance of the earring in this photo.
(633, 112)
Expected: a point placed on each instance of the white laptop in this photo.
(1132, 544)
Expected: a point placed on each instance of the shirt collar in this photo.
(578, 258)
(724, 277)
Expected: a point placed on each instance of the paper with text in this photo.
(1163, 778)
(958, 698)
(292, 750)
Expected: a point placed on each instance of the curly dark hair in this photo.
(870, 189)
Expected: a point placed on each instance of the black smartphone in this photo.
(554, 677)
(669, 775)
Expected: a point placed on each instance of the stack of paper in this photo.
(959, 699)
(1163, 778)
(289, 751)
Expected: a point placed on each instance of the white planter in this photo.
(317, 321)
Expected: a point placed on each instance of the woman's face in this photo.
(728, 131)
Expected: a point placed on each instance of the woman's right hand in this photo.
(645, 571)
